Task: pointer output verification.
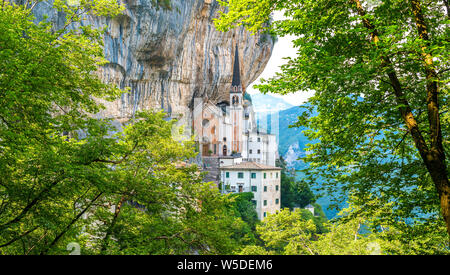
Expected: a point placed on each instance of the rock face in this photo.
(168, 57)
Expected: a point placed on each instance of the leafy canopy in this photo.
(380, 74)
(67, 177)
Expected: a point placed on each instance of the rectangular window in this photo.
(259, 151)
(264, 175)
(265, 188)
(250, 151)
(227, 174)
(253, 175)
(240, 175)
(276, 187)
(265, 214)
(254, 189)
(254, 203)
(277, 201)
(259, 139)
(276, 174)
(265, 202)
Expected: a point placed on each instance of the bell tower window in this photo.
(235, 100)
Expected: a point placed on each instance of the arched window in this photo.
(235, 100)
(205, 123)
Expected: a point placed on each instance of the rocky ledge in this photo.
(168, 56)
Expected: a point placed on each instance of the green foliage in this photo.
(295, 233)
(346, 239)
(297, 194)
(42, 73)
(167, 207)
(242, 208)
(67, 177)
(427, 236)
(380, 107)
(253, 14)
(287, 233)
(320, 219)
(47, 87)
(293, 193)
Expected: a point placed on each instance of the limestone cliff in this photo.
(168, 57)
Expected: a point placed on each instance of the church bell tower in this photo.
(236, 107)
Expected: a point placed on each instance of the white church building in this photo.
(231, 144)
(262, 180)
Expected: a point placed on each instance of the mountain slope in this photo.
(291, 141)
(264, 103)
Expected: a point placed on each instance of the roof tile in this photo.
(249, 165)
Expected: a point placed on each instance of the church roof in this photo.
(236, 71)
(250, 165)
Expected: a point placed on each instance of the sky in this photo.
(283, 48)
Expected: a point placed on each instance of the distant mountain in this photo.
(291, 146)
(268, 104)
(291, 141)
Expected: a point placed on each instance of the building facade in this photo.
(237, 154)
(229, 128)
(262, 180)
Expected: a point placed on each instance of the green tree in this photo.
(358, 232)
(285, 233)
(159, 201)
(242, 208)
(380, 71)
(47, 88)
(297, 194)
(294, 233)
(294, 193)
(66, 177)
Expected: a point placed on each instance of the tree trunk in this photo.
(433, 156)
(435, 159)
(111, 226)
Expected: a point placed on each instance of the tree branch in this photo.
(19, 237)
(111, 226)
(70, 224)
(118, 161)
(405, 109)
(31, 204)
